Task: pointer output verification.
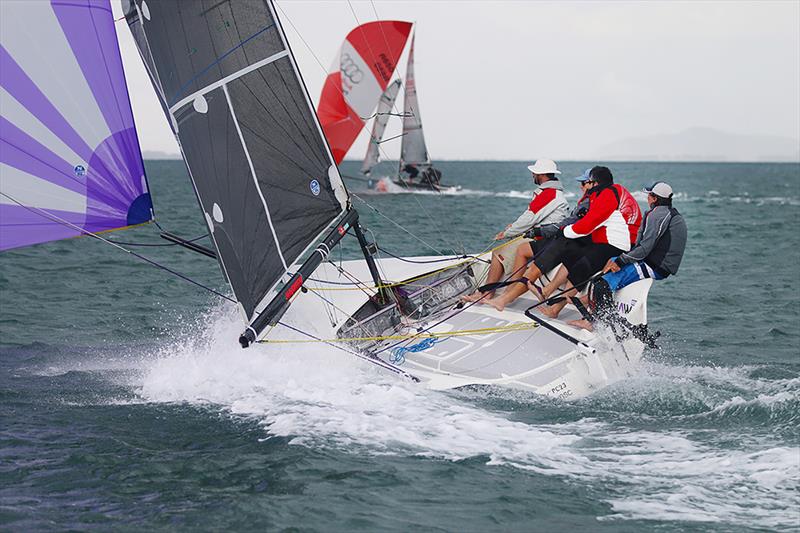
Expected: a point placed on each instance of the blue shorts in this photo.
(630, 273)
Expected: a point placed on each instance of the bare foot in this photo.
(581, 324)
(548, 311)
(474, 297)
(497, 303)
(537, 292)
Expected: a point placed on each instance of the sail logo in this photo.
(80, 170)
(625, 308)
(350, 69)
(314, 186)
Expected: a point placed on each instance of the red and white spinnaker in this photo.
(367, 61)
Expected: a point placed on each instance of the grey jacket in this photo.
(660, 242)
(547, 206)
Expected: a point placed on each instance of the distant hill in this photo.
(702, 144)
(154, 154)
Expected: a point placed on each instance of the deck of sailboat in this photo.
(476, 345)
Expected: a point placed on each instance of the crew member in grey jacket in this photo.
(657, 253)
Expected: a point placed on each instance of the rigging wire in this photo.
(156, 244)
(357, 197)
(66, 223)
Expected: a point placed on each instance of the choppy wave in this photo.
(637, 441)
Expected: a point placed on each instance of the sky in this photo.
(526, 79)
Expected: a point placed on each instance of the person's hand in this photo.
(500, 236)
(611, 266)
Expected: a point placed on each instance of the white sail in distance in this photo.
(413, 150)
(385, 106)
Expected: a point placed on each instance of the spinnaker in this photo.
(70, 162)
(366, 63)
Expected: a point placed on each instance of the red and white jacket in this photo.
(605, 221)
(548, 206)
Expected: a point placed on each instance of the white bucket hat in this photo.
(544, 166)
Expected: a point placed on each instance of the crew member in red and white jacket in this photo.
(601, 234)
(548, 206)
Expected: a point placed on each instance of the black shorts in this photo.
(583, 261)
(549, 253)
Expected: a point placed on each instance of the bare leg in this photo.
(552, 311)
(558, 280)
(495, 273)
(515, 290)
(583, 323)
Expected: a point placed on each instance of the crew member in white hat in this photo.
(548, 206)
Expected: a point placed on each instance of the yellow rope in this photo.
(418, 278)
(457, 333)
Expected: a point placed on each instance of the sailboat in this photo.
(270, 192)
(416, 171)
(364, 65)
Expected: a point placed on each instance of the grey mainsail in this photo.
(413, 150)
(385, 105)
(260, 165)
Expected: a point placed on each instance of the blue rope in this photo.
(399, 353)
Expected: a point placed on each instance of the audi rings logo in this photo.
(350, 70)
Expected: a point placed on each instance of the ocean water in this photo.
(125, 403)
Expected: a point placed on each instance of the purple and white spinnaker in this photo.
(70, 161)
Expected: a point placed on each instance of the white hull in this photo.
(536, 359)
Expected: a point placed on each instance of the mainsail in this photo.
(379, 126)
(264, 177)
(366, 63)
(69, 156)
(413, 150)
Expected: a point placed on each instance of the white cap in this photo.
(661, 189)
(544, 166)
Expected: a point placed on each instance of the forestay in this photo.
(413, 150)
(263, 174)
(69, 157)
(385, 106)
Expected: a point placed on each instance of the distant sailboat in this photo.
(415, 170)
(385, 106)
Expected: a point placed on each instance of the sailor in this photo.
(548, 206)
(607, 228)
(657, 253)
(431, 176)
(545, 248)
(628, 207)
(411, 170)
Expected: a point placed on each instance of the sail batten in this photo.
(262, 172)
